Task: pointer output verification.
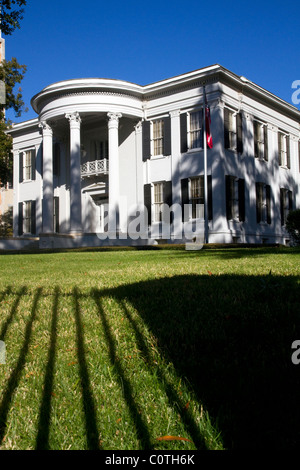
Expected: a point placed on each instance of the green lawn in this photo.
(115, 349)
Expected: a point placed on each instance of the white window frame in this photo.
(196, 208)
(235, 198)
(260, 138)
(286, 204)
(158, 201)
(198, 129)
(157, 139)
(283, 149)
(27, 164)
(27, 217)
(263, 204)
(232, 130)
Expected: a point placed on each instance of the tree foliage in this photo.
(10, 15)
(12, 73)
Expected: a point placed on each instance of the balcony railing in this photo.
(96, 167)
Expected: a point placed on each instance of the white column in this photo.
(176, 175)
(47, 177)
(16, 192)
(75, 179)
(114, 183)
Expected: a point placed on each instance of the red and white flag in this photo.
(207, 126)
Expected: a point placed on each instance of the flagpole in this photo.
(205, 170)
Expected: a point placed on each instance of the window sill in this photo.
(158, 157)
(284, 167)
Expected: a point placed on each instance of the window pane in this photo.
(195, 129)
(158, 137)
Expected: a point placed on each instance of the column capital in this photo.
(46, 128)
(175, 113)
(113, 119)
(74, 119)
(138, 127)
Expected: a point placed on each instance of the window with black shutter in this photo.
(235, 198)
(233, 130)
(156, 138)
(27, 165)
(263, 203)
(286, 203)
(192, 195)
(260, 136)
(284, 155)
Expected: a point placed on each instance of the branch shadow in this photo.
(17, 371)
(140, 426)
(42, 440)
(92, 432)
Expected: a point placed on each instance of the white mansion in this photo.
(110, 162)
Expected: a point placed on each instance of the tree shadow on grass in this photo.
(16, 374)
(230, 337)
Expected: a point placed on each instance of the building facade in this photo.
(110, 162)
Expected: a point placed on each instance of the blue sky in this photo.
(144, 42)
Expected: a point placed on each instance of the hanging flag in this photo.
(207, 125)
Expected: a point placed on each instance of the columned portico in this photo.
(75, 180)
(47, 177)
(114, 183)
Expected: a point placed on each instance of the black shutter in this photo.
(21, 167)
(168, 198)
(209, 197)
(33, 217)
(266, 145)
(255, 129)
(239, 133)
(20, 218)
(147, 201)
(56, 159)
(228, 197)
(167, 136)
(168, 193)
(279, 149)
(33, 155)
(184, 198)
(241, 186)
(146, 140)
(258, 201)
(56, 214)
(288, 153)
(282, 204)
(226, 128)
(183, 132)
(268, 202)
